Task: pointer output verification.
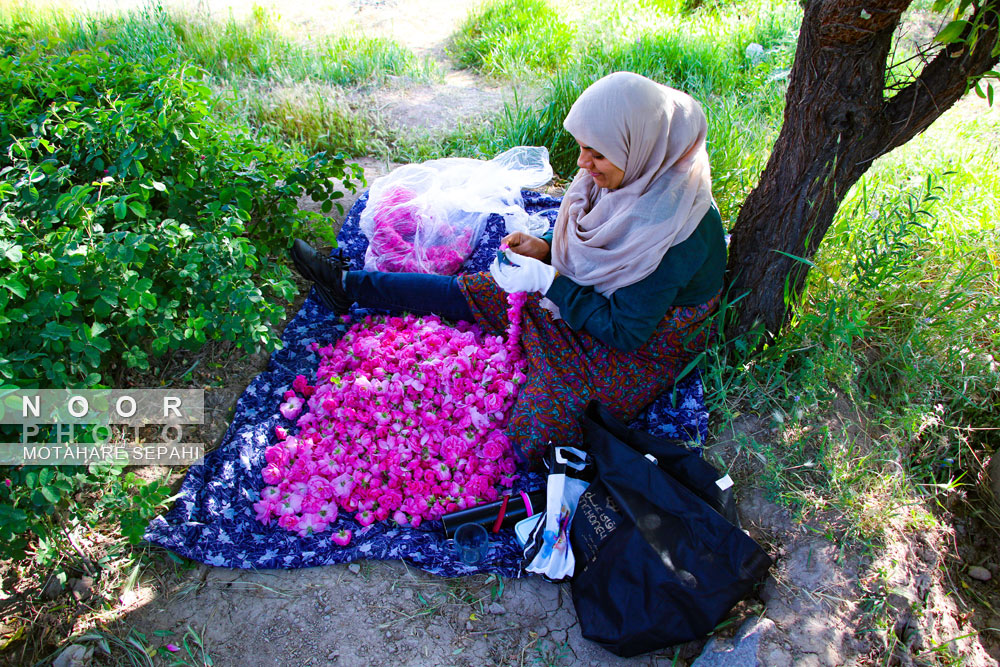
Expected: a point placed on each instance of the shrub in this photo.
(133, 222)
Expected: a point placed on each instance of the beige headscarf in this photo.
(656, 135)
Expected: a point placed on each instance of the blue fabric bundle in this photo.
(213, 520)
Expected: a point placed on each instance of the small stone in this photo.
(542, 631)
(980, 573)
(496, 609)
(332, 655)
(81, 588)
(76, 655)
(468, 625)
(355, 568)
(52, 589)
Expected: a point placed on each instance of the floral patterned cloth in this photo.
(213, 521)
(568, 368)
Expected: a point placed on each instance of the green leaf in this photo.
(120, 210)
(14, 253)
(51, 494)
(101, 344)
(12, 515)
(17, 287)
(138, 208)
(159, 186)
(951, 32)
(55, 331)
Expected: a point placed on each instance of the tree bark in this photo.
(838, 119)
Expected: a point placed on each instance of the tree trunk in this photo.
(838, 119)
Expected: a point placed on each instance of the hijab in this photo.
(656, 135)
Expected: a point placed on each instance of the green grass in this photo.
(885, 389)
(513, 37)
(231, 49)
(313, 117)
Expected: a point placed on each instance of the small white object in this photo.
(724, 482)
(523, 274)
(865, 15)
(754, 53)
(653, 459)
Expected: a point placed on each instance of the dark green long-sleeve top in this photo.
(689, 274)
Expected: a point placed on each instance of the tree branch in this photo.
(942, 82)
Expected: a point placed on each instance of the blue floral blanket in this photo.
(213, 521)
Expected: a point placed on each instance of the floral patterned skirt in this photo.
(568, 368)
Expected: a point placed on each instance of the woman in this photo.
(620, 287)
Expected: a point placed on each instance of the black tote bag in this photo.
(658, 561)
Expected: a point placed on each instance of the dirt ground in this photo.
(815, 610)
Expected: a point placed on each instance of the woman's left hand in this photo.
(522, 274)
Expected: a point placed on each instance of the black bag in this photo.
(659, 560)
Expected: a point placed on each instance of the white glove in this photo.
(523, 274)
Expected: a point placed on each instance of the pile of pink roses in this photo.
(406, 239)
(405, 422)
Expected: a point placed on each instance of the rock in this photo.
(980, 573)
(743, 649)
(354, 568)
(496, 609)
(75, 655)
(81, 588)
(542, 631)
(52, 590)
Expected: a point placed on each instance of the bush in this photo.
(133, 222)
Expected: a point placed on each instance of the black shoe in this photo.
(326, 274)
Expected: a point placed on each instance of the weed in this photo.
(550, 654)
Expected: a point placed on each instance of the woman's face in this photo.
(605, 174)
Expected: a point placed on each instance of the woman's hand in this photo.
(527, 245)
(522, 274)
